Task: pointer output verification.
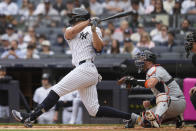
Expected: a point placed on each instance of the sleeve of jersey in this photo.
(154, 73)
(98, 30)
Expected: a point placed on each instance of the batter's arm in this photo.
(97, 42)
(72, 32)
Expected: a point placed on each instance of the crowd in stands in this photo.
(34, 29)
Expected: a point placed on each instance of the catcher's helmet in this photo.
(143, 56)
(79, 14)
(190, 38)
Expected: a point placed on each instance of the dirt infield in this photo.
(88, 128)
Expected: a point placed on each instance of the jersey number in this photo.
(83, 35)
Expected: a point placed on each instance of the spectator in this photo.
(46, 48)
(106, 40)
(59, 6)
(10, 34)
(111, 27)
(185, 27)
(47, 14)
(136, 36)
(192, 9)
(171, 43)
(150, 8)
(24, 7)
(134, 22)
(39, 95)
(168, 5)
(177, 7)
(4, 108)
(29, 35)
(127, 34)
(157, 30)
(69, 6)
(41, 38)
(118, 33)
(31, 53)
(163, 37)
(45, 9)
(13, 53)
(159, 8)
(60, 44)
(125, 5)
(112, 6)
(187, 4)
(7, 7)
(129, 48)
(145, 41)
(96, 8)
(5, 44)
(21, 44)
(2, 24)
(137, 7)
(115, 47)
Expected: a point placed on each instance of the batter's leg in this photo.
(90, 100)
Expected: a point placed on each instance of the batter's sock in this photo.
(105, 111)
(46, 105)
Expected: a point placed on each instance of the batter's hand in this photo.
(192, 91)
(94, 21)
(146, 104)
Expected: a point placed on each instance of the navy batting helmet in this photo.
(79, 14)
(190, 39)
(143, 56)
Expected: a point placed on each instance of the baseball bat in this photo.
(122, 14)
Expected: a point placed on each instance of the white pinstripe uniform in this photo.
(84, 77)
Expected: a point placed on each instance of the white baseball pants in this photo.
(83, 78)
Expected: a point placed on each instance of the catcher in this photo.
(168, 97)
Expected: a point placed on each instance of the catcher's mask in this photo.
(78, 14)
(190, 39)
(143, 56)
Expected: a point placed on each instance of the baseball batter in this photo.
(84, 41)
(169, 99)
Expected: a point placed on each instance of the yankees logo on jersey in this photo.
(83, 35)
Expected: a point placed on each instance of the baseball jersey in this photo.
(162, 75)
(81, 46)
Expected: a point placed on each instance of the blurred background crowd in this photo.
(33, 29)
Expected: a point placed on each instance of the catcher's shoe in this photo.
(23, 118)
(154, 119)
(180, 121)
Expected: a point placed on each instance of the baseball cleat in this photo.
(131, 123)
(154, 119)
(23, 118)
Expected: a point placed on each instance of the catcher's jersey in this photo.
(162, 75)
(81, 46)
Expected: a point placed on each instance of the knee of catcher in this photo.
(163, 98)
(92, 109)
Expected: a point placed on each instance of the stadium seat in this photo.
(170, 55)
(179, 49)
(57, 49)
(160, 49)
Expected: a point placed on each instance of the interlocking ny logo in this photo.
(83, 35)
